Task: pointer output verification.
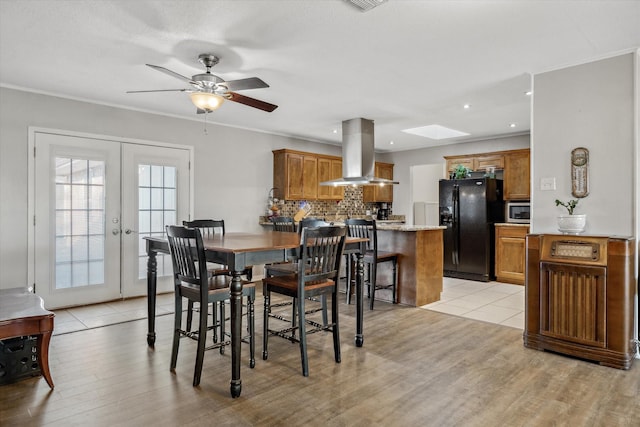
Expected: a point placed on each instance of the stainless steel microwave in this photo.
(518, 212)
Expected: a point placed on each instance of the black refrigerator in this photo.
(469, 208)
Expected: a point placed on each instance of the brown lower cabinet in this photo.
(510, 252)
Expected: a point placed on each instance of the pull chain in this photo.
(205, 123)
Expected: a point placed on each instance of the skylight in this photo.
(435, 132)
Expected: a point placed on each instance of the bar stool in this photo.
(367, 229)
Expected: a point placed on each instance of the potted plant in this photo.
(461, 172)
(572, 223)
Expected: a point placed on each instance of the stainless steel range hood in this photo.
(358, 157)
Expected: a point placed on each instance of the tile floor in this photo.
(109, 313)
(491, 302)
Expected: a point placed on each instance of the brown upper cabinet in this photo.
(515, 163)
(328, 169)
(517, 175)
(378, 193)
(297, 175)
(476, 162)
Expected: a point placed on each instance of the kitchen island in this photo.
(420, 263)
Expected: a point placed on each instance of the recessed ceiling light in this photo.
(529, 92)
(435, 132)
(390, 142)
(512, 125)
(466, 106)
(335, 130)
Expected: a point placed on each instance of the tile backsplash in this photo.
(352, 206)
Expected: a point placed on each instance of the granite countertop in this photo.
(511, 224)
(405, 227)
(400, 219)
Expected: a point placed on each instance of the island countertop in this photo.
(406, 227)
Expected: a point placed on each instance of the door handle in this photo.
(115, 231)
(129, 231)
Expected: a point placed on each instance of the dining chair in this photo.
(283, 223)
(193, 282)
(318, 270)
(209, 228)
(372, 257)
(291, 267)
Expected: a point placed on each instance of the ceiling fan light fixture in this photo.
(206, 101)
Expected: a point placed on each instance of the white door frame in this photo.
(32, 131)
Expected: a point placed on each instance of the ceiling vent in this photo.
(366, 5)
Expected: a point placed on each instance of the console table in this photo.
(22, 313)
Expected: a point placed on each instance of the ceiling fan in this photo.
(209, 91)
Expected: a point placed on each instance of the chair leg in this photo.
(294, 316)
(177, 325)
(335, 327)
(222, 324)
(252, 329)
(323, 301)
(189, 315)
(373, 273)
(302, 335)
(347, 266)
(202, 340)
(265, 323)
(216, 323)
(394, 295)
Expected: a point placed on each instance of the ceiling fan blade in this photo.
(171, 73)
(244, 84)
(157, 90)
(251, 102)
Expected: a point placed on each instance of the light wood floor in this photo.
(417, 368)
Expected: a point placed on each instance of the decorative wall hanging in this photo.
(580, 172)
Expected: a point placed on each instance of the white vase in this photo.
(572, 224)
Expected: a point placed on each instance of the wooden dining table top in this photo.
(238, 242)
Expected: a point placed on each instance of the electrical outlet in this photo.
(547, 184)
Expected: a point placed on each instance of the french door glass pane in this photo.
(80, 222)
(156, 208)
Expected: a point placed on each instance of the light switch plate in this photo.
(547, 184)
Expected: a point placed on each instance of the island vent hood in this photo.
(358, 157)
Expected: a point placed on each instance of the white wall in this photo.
(233, 167)
(404, 160)
(425, 190)
(589, 105)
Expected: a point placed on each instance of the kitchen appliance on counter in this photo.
(383, 212)
(469, 208)
(518, 212)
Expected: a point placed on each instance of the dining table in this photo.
(237, 250)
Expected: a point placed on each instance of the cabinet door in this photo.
(294, 174)
(510, 254)
(482, 163)
(384, 192)
(377, 193)
(324, 174)
(467, 162)
(517, 176)
(337, 193)
(310, 177)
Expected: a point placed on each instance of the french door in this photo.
(94, 202)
